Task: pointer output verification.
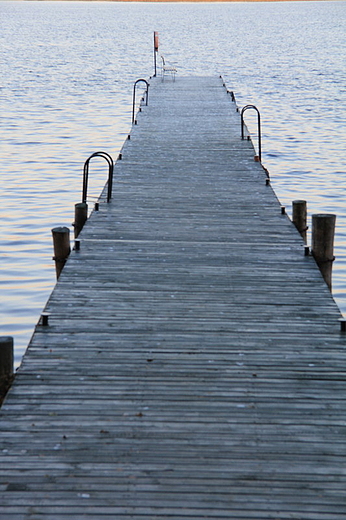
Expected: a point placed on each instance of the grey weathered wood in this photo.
(6, 363)
(322, 244)
(193, 365)
(80, 217)
(299, 217)
(61, 244)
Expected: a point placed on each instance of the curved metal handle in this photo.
(134, 96)
(247, 107)
(110, 162)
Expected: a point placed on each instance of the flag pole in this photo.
(156, 48)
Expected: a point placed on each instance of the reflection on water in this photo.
(68, 71)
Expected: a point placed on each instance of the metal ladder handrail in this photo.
(110, 162)
(134, 96)
(247, 107)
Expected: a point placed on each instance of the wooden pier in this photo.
(193, 365)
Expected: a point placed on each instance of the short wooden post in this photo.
(322, 244)
(61, 242)
(45, 318)
(299, 217)
(6, 363)
(80, 217)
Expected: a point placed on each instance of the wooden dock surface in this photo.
(193, 366)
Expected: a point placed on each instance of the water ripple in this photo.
(69, 94)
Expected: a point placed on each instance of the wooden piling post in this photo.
(62, 249)
(322, 244)
(80, 217)
(299, 216)
(6, 363)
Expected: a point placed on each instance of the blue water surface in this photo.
(67, 71)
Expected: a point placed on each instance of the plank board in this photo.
(193, 366)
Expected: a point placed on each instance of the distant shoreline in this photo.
(182, 1)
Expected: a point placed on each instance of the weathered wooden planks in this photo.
(193, 365)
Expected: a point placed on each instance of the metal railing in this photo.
(110, 162)
(231, 93)
(134, 96)
(247, 107)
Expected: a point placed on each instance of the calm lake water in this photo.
(68, 70)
